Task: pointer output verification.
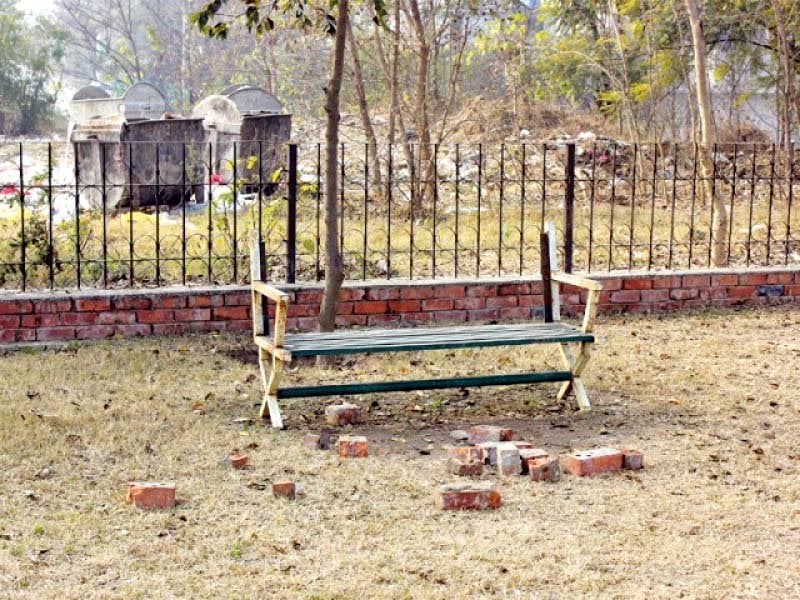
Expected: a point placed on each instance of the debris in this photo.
(545, 468)
(311, 441)
(339, 415)
(468, 468)
(632, 460)
(238, 460)
(352, 446)
(148, 494)
(284, 489)
(527, 454)
(470, 496)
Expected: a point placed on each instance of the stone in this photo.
(488, 433)
(592, 462)
(459, 434)
(352, 446)
(470, 496)
(150, 495)
(545, 468)
(339, 415)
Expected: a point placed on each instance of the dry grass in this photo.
(711, 399)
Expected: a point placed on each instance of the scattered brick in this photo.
(508, 462)
(489, 433)
(352, 446)
(489, 453)
(238, 460)
(523, 445)
(311, 441)
(544, 468)
(591, 462)
(632, 460)
(148, 494)
(284, 489)
(469, 496)
(466, 453)
(468, 468)
(526, 454)
(339, 415)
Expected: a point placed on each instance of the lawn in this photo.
(711, 398)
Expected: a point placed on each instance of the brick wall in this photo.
(63, 316)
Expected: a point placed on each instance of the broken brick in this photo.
(465, 468)
(508, 462)
(632, 460)
(545, 468)
(591, 462)
(284, 489)
(523, 445)
(467, 497)
(238, 461)
(339, 415)
(148, 494)
(489, 453)
(488, 433)
(352, 446)
(526, 454)
(466, 453)
(311, 441)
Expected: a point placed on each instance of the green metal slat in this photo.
(422, 384)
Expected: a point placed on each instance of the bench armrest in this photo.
(577, 281)
(281, 300)
(271, 292)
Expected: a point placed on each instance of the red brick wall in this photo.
(61, 316)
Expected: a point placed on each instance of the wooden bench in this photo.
(278, 350)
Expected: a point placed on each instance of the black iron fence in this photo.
(150, 214)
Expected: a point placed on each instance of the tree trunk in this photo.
(790, 98)
(334, 269)
(361, 95)
(421, 116)
(707, 135)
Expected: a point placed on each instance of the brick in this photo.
(339, 415)
(150, 495)
(131, 303)
(403, 306)
(52, 306)
(696, 281)
(752, 278)
(667, 282)
(284, 489)
(45, 320)
(193, 314)
(53, 334)
(449, 291)
(235, 299)
(632, 460)
(535, 300)
(154, 316)
(170, 328)
(383, 293)
(352, 446)
(418, 317)
(465, 453)
(343, 308)
(302, 323)
(9, 321)
(637, 284)
(742, 291)
(545, 468)
(482, 290)
(229, 313)
(591, 462)
(349, 294)
(437, 304)
(522, 445)
(489, 452)
(116, 318)
(133, 330)
(309, 297)
(501, 301)
(205, 301)
(514, 313)
(469, 303)
(684, 294)
(526, 454)
(713, 293)
(92, 304)
(469, 468)
(782, 278)
(242, 325)
(94, 332)
(371, 307)
(450, 316)
(467, 497)
(312, 441)
(484, 314)
(729, 279)
(417, 292)
(350, 320)
(382, 319)
(514, 289)
(655, 295)
(612, 285)
(238, 461)
(308, 310)
(772, 291)
(625, 296)
(508, 462)
(489, 433)
(15, 307)
(77, 318)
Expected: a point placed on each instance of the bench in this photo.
(279, 349)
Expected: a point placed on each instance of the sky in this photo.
(36, 7)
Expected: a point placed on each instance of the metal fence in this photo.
(152, 214)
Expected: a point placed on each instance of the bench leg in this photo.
(576, 366)
(270, 388)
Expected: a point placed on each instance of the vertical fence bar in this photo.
(389, 186)
(318, 216)
(291, 217)
(790, 177)
(435, 206)
(131, 265)
(184, 195)
(261, 197)
(569, 208)
(613, 202)
(458, 182)
(50, 250)
(733, 196)
(77, 217)
(544, 186)
(23, 267)
(480, 181)
(711, 239)
(591, 204)
(210, 224)
(652, 208)
(105, 216)
(750, 215)
(413, 192)
(771, 199)
(694, 200)
(632, 224)
(341, 203)
(366, 215)
(158, 215)
(235, 210)
(522, 214)
(672, 209)
(500, 224)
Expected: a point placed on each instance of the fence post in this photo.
(569, 207)
(291, 217)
